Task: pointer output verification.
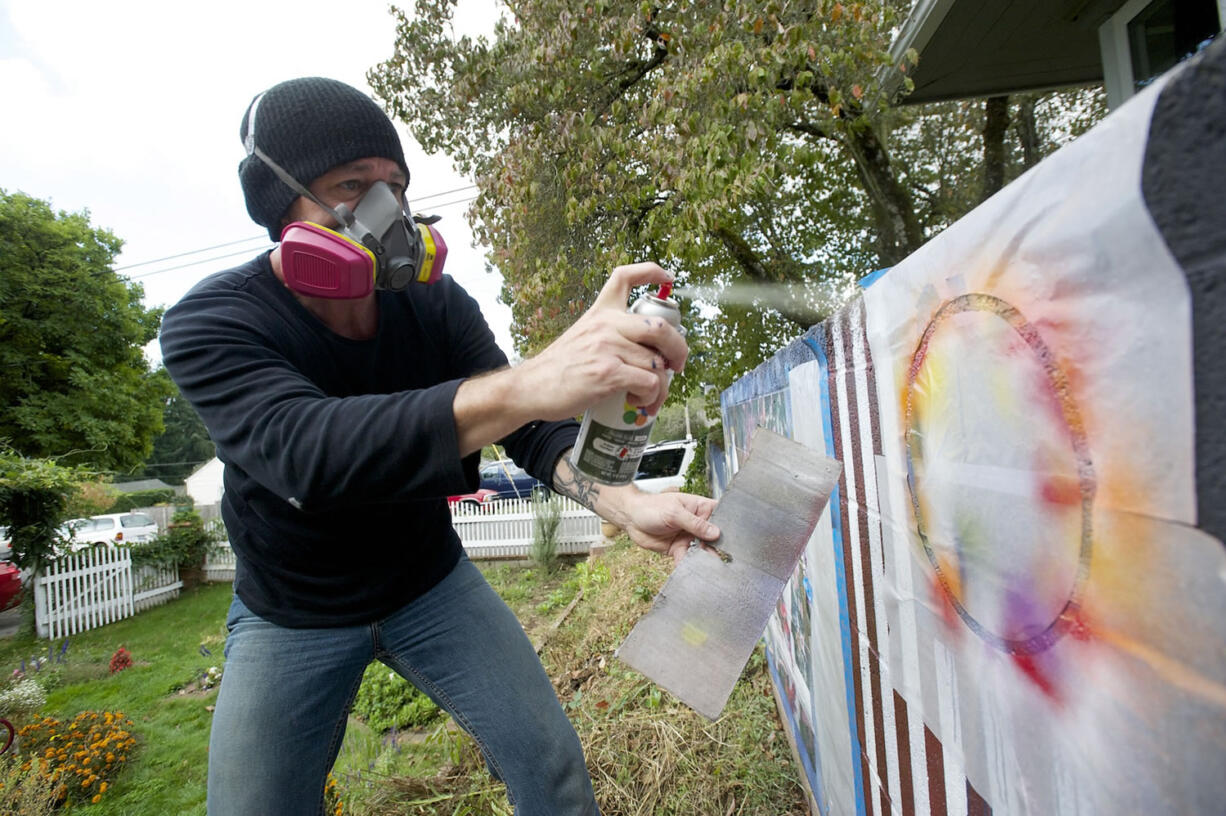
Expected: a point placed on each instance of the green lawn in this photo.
(648, 753)
(167, 772)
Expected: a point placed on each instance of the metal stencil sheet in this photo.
(704, 624)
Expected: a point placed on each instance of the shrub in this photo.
(386, 700)
(185, 543)
(547, 519)
(33, 496)
(696, 479)
(91, 499)
(142, 498)
(79, 757)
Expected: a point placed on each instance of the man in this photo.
(343, 424)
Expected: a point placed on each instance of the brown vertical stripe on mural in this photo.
(873, 416)
(906, 794)
(845, 522)
(976, 805)
(858, 466)
(871, 377)
(936, 772)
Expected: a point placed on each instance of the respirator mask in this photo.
(379, 244)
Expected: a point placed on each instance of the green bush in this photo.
(142, 498)
(386, 700)
(185, 543)
(697, 480)
(34, 494)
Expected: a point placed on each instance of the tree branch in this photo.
(636, 70)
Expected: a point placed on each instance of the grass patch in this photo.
(647, 753)
(168, 770)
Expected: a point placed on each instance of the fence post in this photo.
(40, 606)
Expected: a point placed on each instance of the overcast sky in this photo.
(131, 109)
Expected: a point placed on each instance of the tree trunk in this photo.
(898, 229)
(1027, 132)
(996, 123)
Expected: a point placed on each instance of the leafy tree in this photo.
(183, 445)
(751, 146)
(74, 382)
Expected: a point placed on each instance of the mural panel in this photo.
(1010, 607)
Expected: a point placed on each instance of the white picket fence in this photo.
(219, 564)
(504, 529)
(96, 587)
(100, 586)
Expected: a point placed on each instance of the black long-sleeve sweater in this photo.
(339, 454)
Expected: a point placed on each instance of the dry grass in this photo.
(647, 753)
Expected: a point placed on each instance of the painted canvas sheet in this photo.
(1052, 615)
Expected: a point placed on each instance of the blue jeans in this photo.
(286, 694)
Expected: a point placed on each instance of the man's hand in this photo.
(607, 351)
(665, 523)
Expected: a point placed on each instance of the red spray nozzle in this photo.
(666, 289)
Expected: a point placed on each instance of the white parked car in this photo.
(664, 465)
(113, 528)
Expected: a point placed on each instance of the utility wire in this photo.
(185, 254)
(241, 251)
(190, 263)
(414, 201)
(443, 193)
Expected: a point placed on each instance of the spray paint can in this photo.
(614, 432)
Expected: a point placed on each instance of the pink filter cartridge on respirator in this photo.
(320, 263)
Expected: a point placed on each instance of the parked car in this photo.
(6, 546)
(664, 466)
(482, 496)
(508, 480)
(112, 528)
(10, 585)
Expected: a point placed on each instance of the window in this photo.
(661, 463)
(1165, 32)
(136, 520)
(1145, 38)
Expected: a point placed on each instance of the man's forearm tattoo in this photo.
(570, 482)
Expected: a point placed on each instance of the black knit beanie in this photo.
(309, 126)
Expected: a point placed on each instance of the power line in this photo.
(412, 203)
(444, 192)
(457, 201)
(192, 252)
(190, 263)
(212, 258)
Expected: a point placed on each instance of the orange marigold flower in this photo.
(97, 796)
(102, 788)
